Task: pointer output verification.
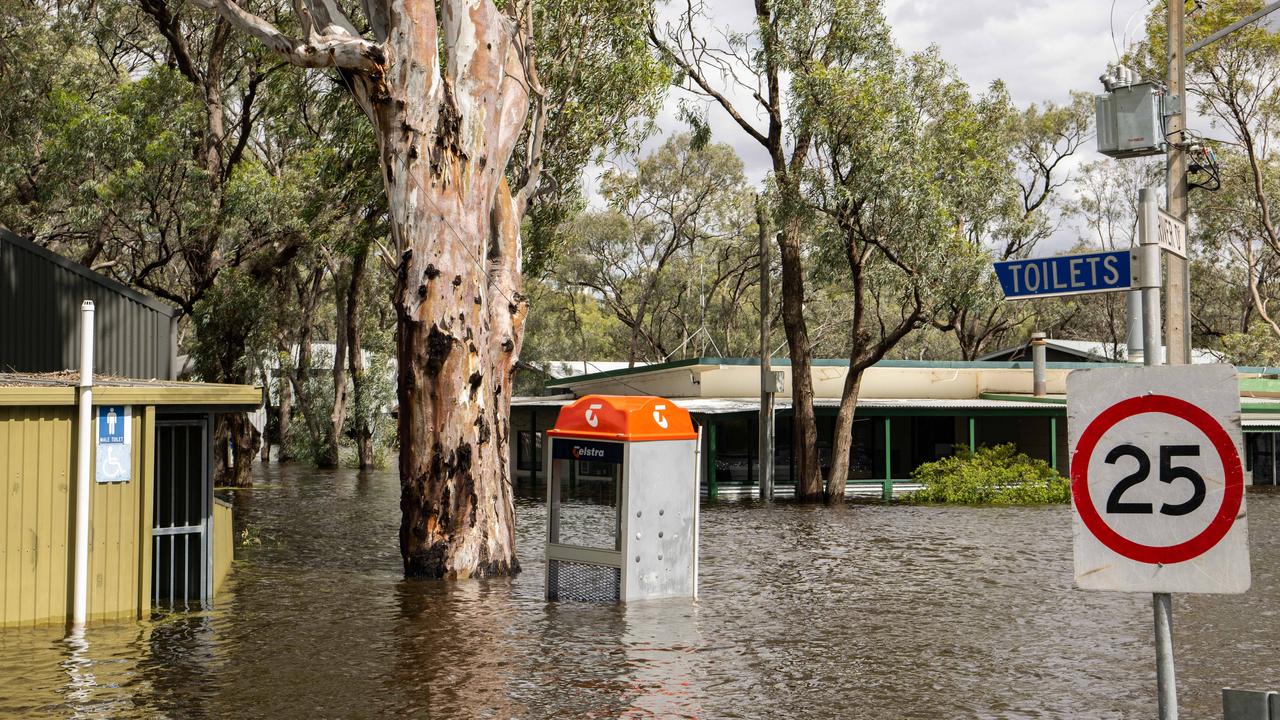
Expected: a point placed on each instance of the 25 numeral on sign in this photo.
(1168, 474)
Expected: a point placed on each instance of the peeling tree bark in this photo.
(446, 132)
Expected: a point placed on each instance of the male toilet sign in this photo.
(114, 451)
(1156, 479)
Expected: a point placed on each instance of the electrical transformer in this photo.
(1130, 121)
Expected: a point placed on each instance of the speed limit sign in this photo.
(1157, 483)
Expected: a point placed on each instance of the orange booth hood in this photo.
(624, 417)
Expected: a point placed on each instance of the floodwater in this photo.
(805, 612)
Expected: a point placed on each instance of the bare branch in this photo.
(690, 68)
(331, 50)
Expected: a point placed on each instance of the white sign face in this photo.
(114, 452)
(1157, 481)
(1172, 234)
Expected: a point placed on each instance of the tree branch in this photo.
(690, 68)
(323, 51)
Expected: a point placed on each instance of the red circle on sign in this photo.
(1232, 494)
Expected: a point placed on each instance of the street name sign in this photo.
(1157, 483)
(113, 456)
(1172, 234)
(1067, 274)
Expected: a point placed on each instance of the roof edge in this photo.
(835, 362)
(70, 265)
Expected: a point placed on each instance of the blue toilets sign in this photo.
(114, 451)
(1067, 274)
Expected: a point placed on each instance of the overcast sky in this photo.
(1042, 49)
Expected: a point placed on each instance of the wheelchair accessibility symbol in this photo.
(111, 466)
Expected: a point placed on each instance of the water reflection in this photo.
(661, 639)
(864, 611)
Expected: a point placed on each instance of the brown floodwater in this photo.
(861, 611)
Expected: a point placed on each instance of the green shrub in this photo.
(997, 475)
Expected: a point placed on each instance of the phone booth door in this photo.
(584, 521)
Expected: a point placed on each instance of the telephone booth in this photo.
(622, 501)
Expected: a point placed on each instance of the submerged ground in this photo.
(856, 612)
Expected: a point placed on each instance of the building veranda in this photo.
(909, 413)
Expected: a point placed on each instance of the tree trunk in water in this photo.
(446, 139)
(338, 416)
(286, 411)
(362, 422)
(223, 463)
(266, 407)
(448, 97)
(804, 446)
(309, 296)
(235, 443)
(842, 442)
(458, 515)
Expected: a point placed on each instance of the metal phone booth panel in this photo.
(622, 501)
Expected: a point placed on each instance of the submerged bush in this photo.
(997, 475)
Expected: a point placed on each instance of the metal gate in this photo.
(181, 561)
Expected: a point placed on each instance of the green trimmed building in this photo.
(909, 413)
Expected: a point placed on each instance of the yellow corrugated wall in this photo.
(223, 542)
(37, 477)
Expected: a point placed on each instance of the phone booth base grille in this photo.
(583, 582)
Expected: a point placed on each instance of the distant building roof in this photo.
(1087, 351)
(724, 406)
(935, 385)
(557, 369)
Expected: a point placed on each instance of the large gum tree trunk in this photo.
(446, 139)
(456, 502)
(448, 97)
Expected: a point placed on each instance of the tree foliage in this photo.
(672, 252)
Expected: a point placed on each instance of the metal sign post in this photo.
(1180, 426)
(1149, 276)
(1157, 488)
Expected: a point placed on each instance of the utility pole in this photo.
(1177, 298)
(766, 370)
(1178, 292)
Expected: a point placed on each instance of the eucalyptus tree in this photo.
(1024, 206)
(145, 158)
(44, 57)
(900, 150)
(1234, 273)
(746, 77)
(452, 91)
(677, 235)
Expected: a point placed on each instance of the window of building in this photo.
(528, 450)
